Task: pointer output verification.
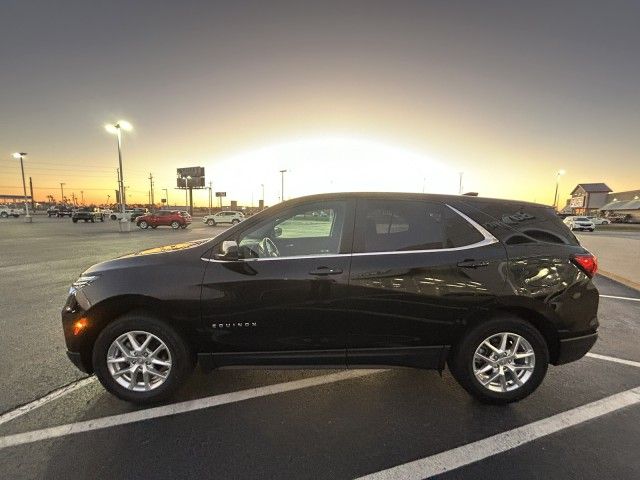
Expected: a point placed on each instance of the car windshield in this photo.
(582, 219)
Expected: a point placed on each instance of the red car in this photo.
(169, 218)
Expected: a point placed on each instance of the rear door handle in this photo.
(322, 271)
(473, 263)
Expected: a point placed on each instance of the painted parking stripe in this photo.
(620, 298)
(59, 392)
(613, 359)
(177, 408)
(473, 452)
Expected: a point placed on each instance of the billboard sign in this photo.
(221, 194)
(190, 177)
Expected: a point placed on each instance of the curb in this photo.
(617, 278)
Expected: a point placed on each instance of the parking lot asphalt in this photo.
(287, 423)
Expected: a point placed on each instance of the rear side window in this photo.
(400, 225)
(514, 223)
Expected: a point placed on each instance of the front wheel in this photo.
(4, 215)
(211, 222)
(500, 361)
(143, 225)
(141, 359)
(175, 225)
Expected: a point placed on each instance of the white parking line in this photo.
(502, 442)
(176, 408)
(614, 359)
(621, 298)
(28, 407)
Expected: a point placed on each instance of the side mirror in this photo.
(229, 251)
(277, 231)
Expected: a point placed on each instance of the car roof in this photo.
(412, 196)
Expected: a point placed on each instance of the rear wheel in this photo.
(235, 221)
(175, 224)
(500, 361)
(74, 220)
(141, 359)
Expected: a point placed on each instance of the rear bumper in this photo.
(572, 349)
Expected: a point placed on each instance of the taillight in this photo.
(588, 263)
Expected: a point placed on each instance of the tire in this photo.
(86, 220)
(74, 220)
(102, 218)
(211, 222)
(154, 226)
(592, 229)
(235, 221)
(93, 220)
(462, 360)
(15, 216)
(4, 215)
(113, 217)
(183, 226)
(179, 355)
(175, 224)
(143, 225)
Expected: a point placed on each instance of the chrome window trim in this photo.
(488, 239)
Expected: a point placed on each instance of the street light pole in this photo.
(555, 195)
(166, 195)
(20, 155)
(62, 192)
(116, 129)
(282, 172)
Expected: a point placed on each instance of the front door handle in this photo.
(322, 271)
(473, 263)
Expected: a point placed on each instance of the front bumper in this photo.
(76, 359)
(572, 349)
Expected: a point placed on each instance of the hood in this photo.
(150, 256)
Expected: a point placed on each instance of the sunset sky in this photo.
(371, 95)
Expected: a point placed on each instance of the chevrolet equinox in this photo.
(494, 289)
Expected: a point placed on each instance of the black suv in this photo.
(494, 289)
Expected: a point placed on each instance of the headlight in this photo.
(83, 281)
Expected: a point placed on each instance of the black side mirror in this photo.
(228, 252)
(277, 231)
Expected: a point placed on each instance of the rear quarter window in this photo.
(513, 223)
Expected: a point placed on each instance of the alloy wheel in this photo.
(139, 361)
(503, 362)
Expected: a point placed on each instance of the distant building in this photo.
(625, 204)
(587, 198)
(599, 199)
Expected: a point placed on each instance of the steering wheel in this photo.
(268, 248)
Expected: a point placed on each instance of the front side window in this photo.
(401, 225)
(311, 229)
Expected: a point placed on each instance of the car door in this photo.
(419, 270)
(279, 306)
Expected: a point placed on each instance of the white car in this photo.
(228, 216)
(599, 220)
(579, 223)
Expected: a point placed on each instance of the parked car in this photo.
(599, 220)
(169, 218)
(138, 212)
(621, 218)
(64, 211)
(6, 212)
(87, 214)
(227, 216)
(494, 289)
(118, 215)
(579, 223)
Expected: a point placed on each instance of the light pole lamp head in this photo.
(119, 125)
(19, 155)
(561, 172)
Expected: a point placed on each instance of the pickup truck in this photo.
(87, 214)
